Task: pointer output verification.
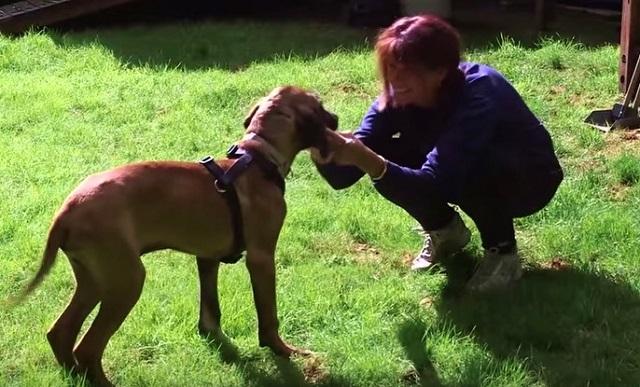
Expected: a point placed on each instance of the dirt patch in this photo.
(407, 258)
(557, 89)
(557, 263)
(619, 192)
(621, 141)
(616, 143)
(352, 90)
(411, 377)
(314, 370)
(584, 164)
(631, 135)
(427, 302)
(577, 99)
(365, 253)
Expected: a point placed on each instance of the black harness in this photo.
(223, 182)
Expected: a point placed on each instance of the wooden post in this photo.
(629, 41)
(543, 11)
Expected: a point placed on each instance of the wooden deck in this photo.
(19, 16)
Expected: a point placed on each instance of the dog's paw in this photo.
(280, 347)
(210, 332)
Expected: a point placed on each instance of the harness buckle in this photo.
(206, 160)
(232, 152)
(219, 188)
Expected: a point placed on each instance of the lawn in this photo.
(75, 104)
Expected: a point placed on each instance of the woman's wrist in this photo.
(371, 163)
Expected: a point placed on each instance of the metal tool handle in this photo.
(636, 102)
(633, 87)
(636, 99)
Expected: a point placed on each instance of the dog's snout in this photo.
(331, 120)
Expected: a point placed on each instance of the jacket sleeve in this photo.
(372, 132)
(464, 140)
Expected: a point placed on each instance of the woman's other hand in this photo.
(341, 147)
(346, 149)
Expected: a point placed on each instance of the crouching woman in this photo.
(445, 132)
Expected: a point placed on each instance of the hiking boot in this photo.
(497, 270)
(443, 242)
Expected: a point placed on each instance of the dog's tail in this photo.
(57, 234)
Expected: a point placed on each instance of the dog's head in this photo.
(290, 115)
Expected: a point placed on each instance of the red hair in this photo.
(423, 41)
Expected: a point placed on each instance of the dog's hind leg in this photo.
(64, 331)
(209, 324)
(120, 279)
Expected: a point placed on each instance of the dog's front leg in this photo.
(263, 281)
(264, 216)
(209, 324)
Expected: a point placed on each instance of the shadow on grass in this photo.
(568, 327)
(225, 45)
(289, 373)
(413, 339)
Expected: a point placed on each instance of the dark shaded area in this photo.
(289, 374)
(411, 336)
(483, 24)
(165, 11)
(596, 4)
(233, 43)
(228, 45)
(371, 13)
(569, 327)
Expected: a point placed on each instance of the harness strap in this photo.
(224, 184)
(223, 181)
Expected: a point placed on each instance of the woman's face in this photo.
(414, 85)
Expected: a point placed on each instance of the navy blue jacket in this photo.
(488, 130)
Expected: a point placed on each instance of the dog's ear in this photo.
(249, 117)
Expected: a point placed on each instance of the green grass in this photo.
(75, 104)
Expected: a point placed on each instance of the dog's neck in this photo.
(253, 141)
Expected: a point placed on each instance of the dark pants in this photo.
(492, 201)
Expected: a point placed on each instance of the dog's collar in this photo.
(245, 157)
(270, 153)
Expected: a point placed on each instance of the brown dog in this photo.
(114, 217)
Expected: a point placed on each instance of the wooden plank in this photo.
(18, 17)
(22, 7)
(629, 41)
